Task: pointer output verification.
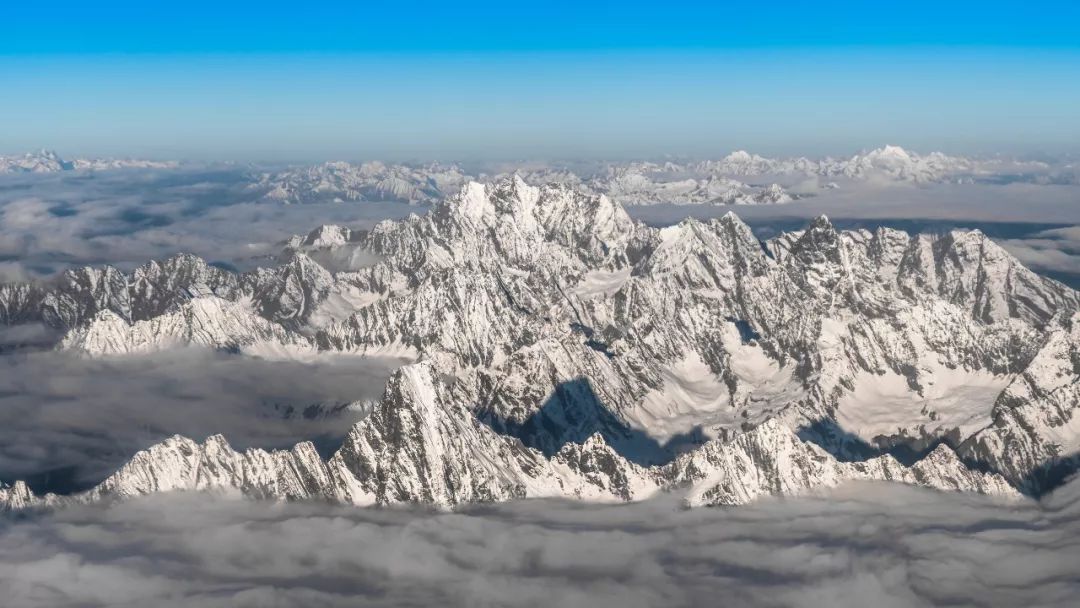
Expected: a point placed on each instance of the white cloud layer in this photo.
(56, 221)
(1057, 249)
(861, 545)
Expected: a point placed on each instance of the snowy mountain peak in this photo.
(890, 152)
(512, 195)
(512, 204)
(821, 223)
(472, 202)
(326, 236)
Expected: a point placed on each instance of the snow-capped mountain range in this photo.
(630, 184)
(47, 161)
(561, 348)
(740, 178)
(338, 182)
(888, 161)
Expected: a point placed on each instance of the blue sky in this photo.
(314, 80)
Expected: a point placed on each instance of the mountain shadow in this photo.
(573, 413)
(1048, 477)
(848, 447)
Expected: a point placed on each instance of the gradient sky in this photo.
(494, 80)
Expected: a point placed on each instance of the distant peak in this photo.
(890, 151)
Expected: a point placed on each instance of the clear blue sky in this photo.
(311, 80)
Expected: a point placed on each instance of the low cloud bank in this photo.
(956, 203)
(56, 221)
(1056, 249)
(52, 222)
(860, 545)
(67, 421)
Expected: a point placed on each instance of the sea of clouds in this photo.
(55, 221)
(125, 218)
(67, 421)
(863, 544)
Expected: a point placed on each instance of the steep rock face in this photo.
(157, 287)
(417, 446)
(569, 351)
(288, 294)
(1035, 436)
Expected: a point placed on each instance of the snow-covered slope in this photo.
(566, 350)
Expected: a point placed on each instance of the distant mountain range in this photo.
(629, 183)
(739, 178)
(46, 161)
(561, 348)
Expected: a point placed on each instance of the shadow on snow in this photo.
(573, 413)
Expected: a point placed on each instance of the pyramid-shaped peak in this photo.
(819, 238)
(740, 233)
(328, 235)
(821, 223)
(733, 220)
(514, 187)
